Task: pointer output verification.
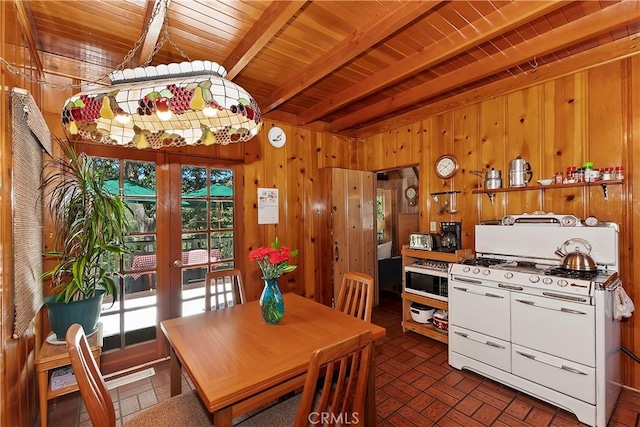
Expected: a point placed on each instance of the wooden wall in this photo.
(591, 115)
(18, 404)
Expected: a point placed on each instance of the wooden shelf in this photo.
(408, 324)
(549, 187)
(459, 255)
(425, 329)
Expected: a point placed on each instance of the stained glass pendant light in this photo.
(190, 103)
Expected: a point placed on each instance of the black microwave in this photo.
(427, 282)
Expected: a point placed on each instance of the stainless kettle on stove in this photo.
(520, 172)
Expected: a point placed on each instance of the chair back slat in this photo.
(223, 289)
(92, 387)
(356, 295)
(343, 372)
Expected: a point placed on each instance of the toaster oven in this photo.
(424, 241)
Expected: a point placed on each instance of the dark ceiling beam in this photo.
(594, 57)
(607, 19)
(272, 20)
(351, 47)
(154, 28)
(475, 33)
(23, 9)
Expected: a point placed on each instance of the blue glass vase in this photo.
(271, 302)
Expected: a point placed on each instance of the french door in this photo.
(182, 225)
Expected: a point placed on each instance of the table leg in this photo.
(371, 416)
(43, 386)
(175, 374)
(223, 417)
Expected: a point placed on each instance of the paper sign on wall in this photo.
(267, 205)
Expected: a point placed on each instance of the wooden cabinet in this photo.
(409, 256)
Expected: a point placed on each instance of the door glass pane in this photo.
(208, 208)
(135, 182)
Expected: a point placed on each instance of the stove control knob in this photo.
(562, 283)
(534, 279)
(486, 271)
(476, 270)
(466, 269)
(547, 280)
(508, 275)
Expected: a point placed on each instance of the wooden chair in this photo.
(356, 295)
(227, 289)
(183, 410)
(341, 402)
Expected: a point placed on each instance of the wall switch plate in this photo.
(432, 226)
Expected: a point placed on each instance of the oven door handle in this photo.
(482, 294)
(562, 309)
(489, 343)
(563, 367)
(464, 280)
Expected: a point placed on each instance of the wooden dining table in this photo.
(238, 362)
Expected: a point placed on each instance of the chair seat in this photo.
(184, 410)
(282, 414)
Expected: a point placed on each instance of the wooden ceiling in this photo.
(350, 67)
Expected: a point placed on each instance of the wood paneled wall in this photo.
(18, 404)
(591, 115)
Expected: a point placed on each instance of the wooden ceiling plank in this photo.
(154, 28)
(352, 46)
(486, 28)
(271, 21)
(25, 17)
(597, 56)
(607, 19)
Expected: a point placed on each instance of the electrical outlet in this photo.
(432, 226)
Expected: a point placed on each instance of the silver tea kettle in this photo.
(520, 172)
(577, 261)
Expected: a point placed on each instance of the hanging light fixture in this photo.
(189, 103)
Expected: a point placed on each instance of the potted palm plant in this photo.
(90, 224)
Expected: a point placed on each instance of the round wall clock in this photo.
(411, 193)
(446, 166)
(277, 137)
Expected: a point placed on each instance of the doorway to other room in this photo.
(397, 202)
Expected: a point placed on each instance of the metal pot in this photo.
(492, 178)
(577, 261)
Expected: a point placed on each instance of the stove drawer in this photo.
(557, 327)
(572, 379)
(481, 309)
(482, 348)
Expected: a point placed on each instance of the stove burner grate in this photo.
(483, 262)
(571, 274)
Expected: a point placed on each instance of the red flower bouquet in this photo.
(274, 260)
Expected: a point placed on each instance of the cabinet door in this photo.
(352, 225)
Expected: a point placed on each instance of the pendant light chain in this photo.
(127, 59)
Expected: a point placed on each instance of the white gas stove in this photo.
(517, 316)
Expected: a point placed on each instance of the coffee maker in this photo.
(451, 236)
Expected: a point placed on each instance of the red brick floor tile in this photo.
(486, 414)
(468, 405)
(462, 419)
(436, 410)
(538, 417)
(388, 407)
(519, 408)
(397, 393)
(509, 420)
(420, 402)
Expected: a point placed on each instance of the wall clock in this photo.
(411, 193)
(277, 137)
(446, 166)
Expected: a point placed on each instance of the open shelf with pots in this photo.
(409, 256)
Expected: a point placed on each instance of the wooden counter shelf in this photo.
(408, 258)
